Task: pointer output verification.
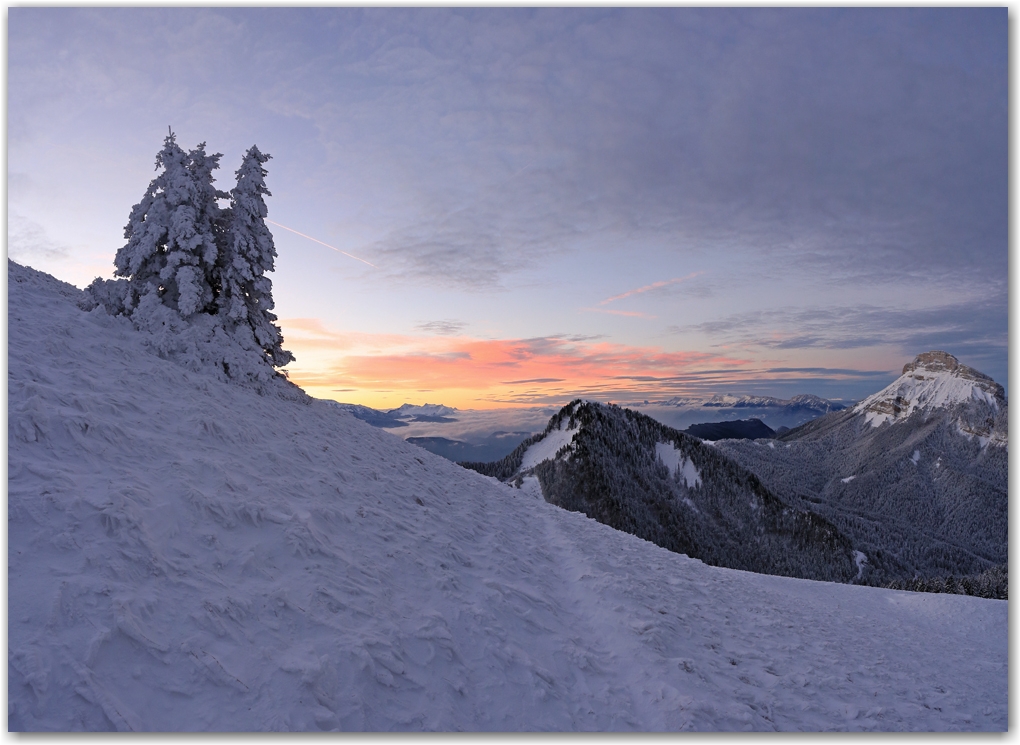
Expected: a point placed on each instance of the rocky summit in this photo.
(936, 381)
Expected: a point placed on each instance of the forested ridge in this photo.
(920, 498)
(611, 472)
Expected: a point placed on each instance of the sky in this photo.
(515, 207)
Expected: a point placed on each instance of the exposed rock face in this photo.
(937, 361)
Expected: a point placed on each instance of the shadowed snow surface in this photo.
(186, 555)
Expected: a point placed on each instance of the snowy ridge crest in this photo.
(933, 381)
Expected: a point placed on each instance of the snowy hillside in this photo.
(184, 554)
(804, 401)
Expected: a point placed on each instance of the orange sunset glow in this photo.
(384, 370)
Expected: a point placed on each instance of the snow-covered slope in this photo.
(679, 465)
(184, 554)
(548, 446)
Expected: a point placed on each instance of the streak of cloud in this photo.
(648, 288)
(27, 240)
(975, 330)
(316, 240)
(443, 328)
(532, 380)
(613, 312)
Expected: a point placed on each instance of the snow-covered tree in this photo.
(246, 298)
(192, 275)
(209, 215)
(171, 237)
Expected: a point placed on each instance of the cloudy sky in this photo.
(617, 204)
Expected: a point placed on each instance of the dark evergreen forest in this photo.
(920, 499)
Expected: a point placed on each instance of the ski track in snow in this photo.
(186, 555)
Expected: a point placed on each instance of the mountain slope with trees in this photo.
(916, 475)
(635, 474)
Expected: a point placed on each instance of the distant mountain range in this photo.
(916, 474)
(424, 413)
(804, 401)
(681, 412)
(399, 417)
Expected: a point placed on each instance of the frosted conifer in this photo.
(171, 244)
(246, 299)
(192, 275)
(210, 216)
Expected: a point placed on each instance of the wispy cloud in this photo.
(648, 288)
(972, 329)
(831, 372)
(784, 129)
(974, 323)
(578, 337)
(532, 380)
(442, 328)
(27, 240)
(628, 313)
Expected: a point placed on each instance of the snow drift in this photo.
(185, 554)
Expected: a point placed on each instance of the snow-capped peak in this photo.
(934, 380)
(422, 410)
